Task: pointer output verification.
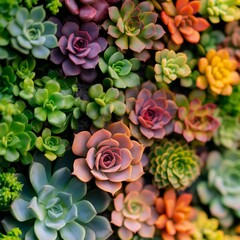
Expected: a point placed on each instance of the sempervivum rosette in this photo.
(78, 49)
(151, 112)
(134, 211)
(108, 155)
(173, 164)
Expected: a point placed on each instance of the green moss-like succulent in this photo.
(31, 34)
(52, 146)
(221, 191)
(10, 189)
(58, 207)
(173, 164)
(104, 104)
(14, 234)
(170, 66)
(120, 69)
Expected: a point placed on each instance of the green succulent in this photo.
(10, 189)
(217, 10)
(58, 207)
(103, 104)
(170, 66)
(221, 191)
(51, 104)
(120, 69)
(16, 139)
(52, 146)
(29, 34)
(8, 8)
(173, 164)
(14, 234)
(8, 80)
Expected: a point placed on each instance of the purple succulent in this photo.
(89, 10)
(78, 49)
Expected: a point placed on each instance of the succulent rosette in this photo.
(173, 164)
(175, 215)
(109, 156)
(58, 206)
(78, 49)
(134, 212)
(195, 119)
(30, 34)
(150, 112)
(133, 26)
(221, 191)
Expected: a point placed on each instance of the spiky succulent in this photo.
(103, 104)
(57, 206)
(221, 190)
(170, 66)
(119, 69)
(195, 119)
(173, 164)
(133, 26)
(150, 112)
(31, 34)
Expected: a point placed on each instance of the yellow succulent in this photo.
(218, 72)
(231, 237)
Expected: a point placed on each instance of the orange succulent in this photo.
(181, 22)
(175, 216)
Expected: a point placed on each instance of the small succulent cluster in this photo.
(14, 234)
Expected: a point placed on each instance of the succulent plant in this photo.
(218, 72)
(78, 49)
(109, 156)
(181, 21)
(29, 34)
(52, 146)
(216, 11)
(150, 112)
(175, 215)
(10, 189)
(58, 207)
(8, 80)
(134, 212)
(103, 104)
(228, 133)
(119, 69)
(206, 228)
(173, 164)
(195, 119)
(133, 26)
(16, 139)
(170, 66)
(14, 234)
(221, 190)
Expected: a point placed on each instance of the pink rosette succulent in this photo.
(135, 211)
(196, 120)
(151, 112)
(108, 155)
(78, 49)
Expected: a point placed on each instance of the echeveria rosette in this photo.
(170, 66)
(58, 206)
(16, 139)
(103, 104)
(221, 191)
(150, 112)
(196, 121)
(52, 146)
(173, 164)
(133, 26)
(181, 21)
(109, 156)
(119, 69)
(31, 34)
(78, 49)
(134, 211)
(218, 72)
(175, 215)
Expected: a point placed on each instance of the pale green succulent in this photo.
(58, 207)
